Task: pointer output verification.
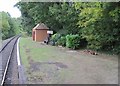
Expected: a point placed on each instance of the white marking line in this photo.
(18, 55)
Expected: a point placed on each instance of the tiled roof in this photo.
(41, 26)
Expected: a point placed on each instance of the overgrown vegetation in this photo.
(62, 41)
(73, 41)
(98, 23)
(10, 26)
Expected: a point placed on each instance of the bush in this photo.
(55, 38)
(24, 34)
(116, 50)
(62, 41)
(73, 41)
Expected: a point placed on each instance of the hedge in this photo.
(62, 41)
(73, 41)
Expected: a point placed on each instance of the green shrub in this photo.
(73, 41)
(55, 38)
(62, 41)
(24, 34)
(117, 49)
(94, 44)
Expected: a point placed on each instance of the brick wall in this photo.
(40, 35)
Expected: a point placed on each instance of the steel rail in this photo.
(7, 44)
(8, 61)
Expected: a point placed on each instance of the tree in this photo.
(10, 26)
(60, 17)
(100, 25)
(95, 22)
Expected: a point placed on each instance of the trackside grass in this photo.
(45, 64)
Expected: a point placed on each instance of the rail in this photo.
(8, 61)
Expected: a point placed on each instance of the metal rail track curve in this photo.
(9, 58)
(7, 44)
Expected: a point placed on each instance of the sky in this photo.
(8, 6)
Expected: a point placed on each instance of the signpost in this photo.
(49, 32)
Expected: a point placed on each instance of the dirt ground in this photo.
(71, 67)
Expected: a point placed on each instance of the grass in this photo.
(39, 53)
(36, 57)
(23, 53)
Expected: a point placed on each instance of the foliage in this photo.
(98, 23)
(66, 16)
(55, 38)
(62, 41)
(10, 26)
(55, 15)
(73, 41)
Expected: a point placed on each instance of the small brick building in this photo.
(39, 32)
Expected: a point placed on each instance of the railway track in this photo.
(6, 43)
(6, 54)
